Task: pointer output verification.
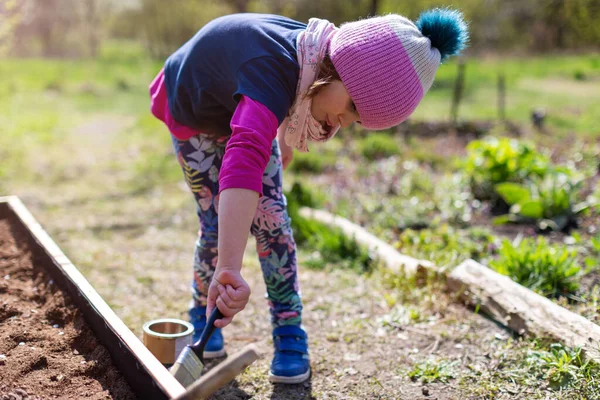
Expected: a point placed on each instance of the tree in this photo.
(164, 28)
(57, 28)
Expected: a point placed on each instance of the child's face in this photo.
(333, 106)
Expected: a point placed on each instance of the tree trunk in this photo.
(374, 4)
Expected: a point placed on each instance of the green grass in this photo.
(378, 145)
(329, 244)
(550, 270)
(534, 369)
(546, 81)
(46, 104)
(111, 195)
(430, 371)
(562, 367)
(311, 162)
(446, 246)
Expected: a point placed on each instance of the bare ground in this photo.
(135, 247)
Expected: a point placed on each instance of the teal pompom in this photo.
(446, 29)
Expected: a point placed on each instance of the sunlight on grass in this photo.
(553, 82)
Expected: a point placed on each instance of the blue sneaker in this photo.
(215, 346)
(290, 362)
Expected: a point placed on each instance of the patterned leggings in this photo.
(201, 158)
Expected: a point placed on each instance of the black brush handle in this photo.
(199, 346)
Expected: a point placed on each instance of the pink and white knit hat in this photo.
(388, 63)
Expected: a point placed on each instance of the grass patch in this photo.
(446, 246)
(534, 368)
(551, 82)
(311, 162)
(378, 145)
(562, 367)
(328, 245)
(429, 371)
(544, 268)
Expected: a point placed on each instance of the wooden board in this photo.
(393, 259)
(522, 310)
(148, 378)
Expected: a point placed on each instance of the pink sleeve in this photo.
(254, 127)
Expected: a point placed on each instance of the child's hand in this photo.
(230, 292)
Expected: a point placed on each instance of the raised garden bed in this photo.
(58, 338)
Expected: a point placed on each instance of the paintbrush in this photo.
(190, 363)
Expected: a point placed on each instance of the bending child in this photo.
(239, 97)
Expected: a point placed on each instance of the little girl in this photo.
(245, 91)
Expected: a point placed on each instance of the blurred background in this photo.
(81, 28)
(523, 55)
(505, 147)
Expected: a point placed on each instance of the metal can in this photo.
(166, 338)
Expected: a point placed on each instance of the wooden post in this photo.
(458, 91)
(501, 97)
(374, 7)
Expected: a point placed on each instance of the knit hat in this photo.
(388, 63)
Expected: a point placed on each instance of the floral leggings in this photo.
(201, 158)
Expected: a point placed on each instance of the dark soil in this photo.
(47, 350)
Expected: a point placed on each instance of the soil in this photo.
(47, 351)
(353, 354)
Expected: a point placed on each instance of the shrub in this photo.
(579, 75)
(546, 269)
(492, 161)
(551, 202)
(311, 162)
(378, 145)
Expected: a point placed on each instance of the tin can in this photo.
(166, 338)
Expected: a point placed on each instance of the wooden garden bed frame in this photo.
(146, 376)
(505, 301)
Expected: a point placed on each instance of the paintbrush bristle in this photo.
(187, 368)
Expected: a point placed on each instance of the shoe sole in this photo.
(214, 354)
(289, 379)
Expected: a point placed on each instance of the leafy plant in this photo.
(546, 269)
(378, 145)
(561, 366)
(311, 162)
(329, 245)
(492, 161)
(431, 372)
(550, 202)
(445, 245)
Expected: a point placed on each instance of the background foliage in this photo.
(77, 28)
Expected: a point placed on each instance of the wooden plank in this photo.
(148, 378)
(522, 310)
(222, 374)
(393, 259)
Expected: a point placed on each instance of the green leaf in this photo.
(590, 263)
(504, 219)
(512, 193)
(532, 209)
